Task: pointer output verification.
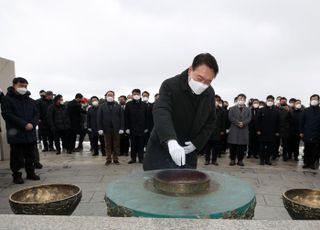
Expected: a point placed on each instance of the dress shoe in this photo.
(38, 165)
(33, 177)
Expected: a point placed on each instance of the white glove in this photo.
(89, 129)
(100, 132)
(189, 148)
(128, 131)
(146, 130)
(177, 153)
(121, 131)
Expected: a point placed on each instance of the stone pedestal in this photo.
(7, 73)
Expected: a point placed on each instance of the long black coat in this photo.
(285, 122)
(110, 117)
(296, 118)
(136, 117)
(92, 120)
(219, 125)
(181, 115)
(58, 118)
(43, 105)
(75, 111)
(18, 111)
(267, 123)
(310, 124)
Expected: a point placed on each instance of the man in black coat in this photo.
(92, 124)
(136, 123)
(145, 98)
(254, 147)
(295, 130)
(267, 126)
(124, 138)
(44, 129)
(310, 133)
(21, 116)
(183, 116)
(111, 125)
(75, 110)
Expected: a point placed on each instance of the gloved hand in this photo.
(90, 130)
(189, 148)
(121, 131)
(177, 153)
(146, 130)
(128, 131)
(100, 132)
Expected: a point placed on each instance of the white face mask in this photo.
(314, 102)
(21, 91)
(145, 99)
(95, 103)
(261, 106)
(197, 87)
(61, 102)
(241, 102)
(269, 103)
(109, 99)
(298, 106)
(255, 106)
(136, 97)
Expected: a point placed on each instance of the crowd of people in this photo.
(118, 126)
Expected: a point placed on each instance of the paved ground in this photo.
(92, 175)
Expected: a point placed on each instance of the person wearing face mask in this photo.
(310, 133)
(145, 98)
(75, 110)
(124, 138)
(21, 116)
(227, 126)
(254, 147)
(183, 116)
(292, 103)
(285, 128)
(59, 122)
(111, 125)
(296, 114)
(267, 128)
(136, 121)
(92, 124)
(1, 95)
(238, 139)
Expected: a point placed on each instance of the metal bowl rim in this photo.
(206, 180)
(30, 187)
(295, 189)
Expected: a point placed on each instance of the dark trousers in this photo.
(276, 147)
(212, 150)
(95, 139)
(237, 151)
(73, 138)
(36, 155)
(137, 145)
(146, 138)
(311, 154)
(285, 147)
(294, 146)
(124, 144)
(64, 136)
(22, 155)
(254, 147)
(266, 151)
(47, 139)
(112, 143)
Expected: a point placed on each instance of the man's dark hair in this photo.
(156, 95)
(136, 91)
(57, 98)
(146, 93)
(283, 98)
(205, 59)
(124, 97)
(255, 100)
(298, 100)
(79, 96)
(94, 97)
(42, 91)
(217, 97)
(292, 100)
(242, 95)
(19, 80)
(315, 95)
(270, 97)
(110, 91)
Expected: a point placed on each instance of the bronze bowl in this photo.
(181, 181)
(50, 199)
(302, 204)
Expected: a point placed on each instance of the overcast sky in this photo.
(262, 47)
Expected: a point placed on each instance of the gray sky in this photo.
(262, 47)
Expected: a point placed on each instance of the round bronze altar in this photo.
(302, 204)
(50, 199)
(181, 181)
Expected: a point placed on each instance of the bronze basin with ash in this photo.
(302, 204)
(181, 181)
(50, 199)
